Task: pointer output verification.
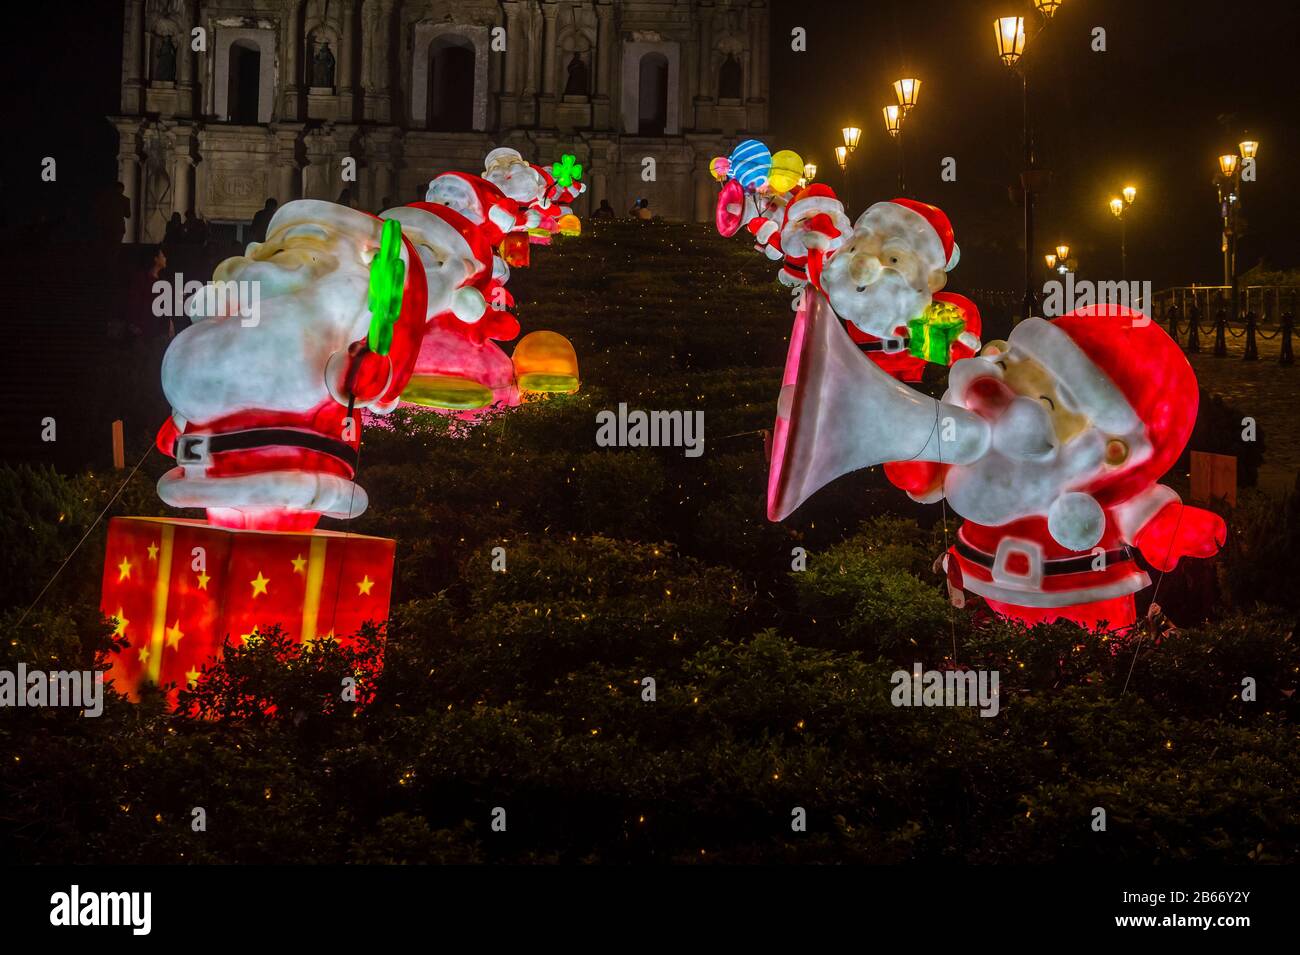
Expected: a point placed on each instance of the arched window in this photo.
(729, 77)
(652, 95)
(451, 84)
(578, 81)
(244, 77)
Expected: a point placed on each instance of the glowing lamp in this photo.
(1130, 193)
(907, 91)
(1228, 163)
(570, 225)
(842, 156)
(1062, 252)
(1050, 259)
(1011, 38)
(893, 119)
(545, 363)
(851, 136)
(1249, 148)
(1117, 207)
(810, 171)
(1047, 7)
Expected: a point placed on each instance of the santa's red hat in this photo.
(816, 222)
(945, 247)
(441, 227)
(1121, 370)
(497, 213)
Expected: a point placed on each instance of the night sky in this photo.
(1180, 83)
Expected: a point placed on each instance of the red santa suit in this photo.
(1080, 560)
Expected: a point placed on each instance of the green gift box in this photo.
(930, 337)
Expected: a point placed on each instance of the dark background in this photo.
(1180, 83)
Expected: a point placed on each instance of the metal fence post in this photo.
(1220, 329)
(1288, 325)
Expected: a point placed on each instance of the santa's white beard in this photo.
(219, 366)
(881, 307)
(520, 184)
(1024, 471)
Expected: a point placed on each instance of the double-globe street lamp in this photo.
(1234, 168)
(907, 91)
(1010, 33)
(852, 135)
(1119, 206)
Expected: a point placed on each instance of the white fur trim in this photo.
(813, 205)
(1087, 387)
(468, 305)
(427, 228)
(327, 494)
(1049, 599)
(971, 341)
(954, 258)
(765, 231)
(501, 154)
(502, 218)
(1132, 515)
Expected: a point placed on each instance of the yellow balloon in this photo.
(787, 170)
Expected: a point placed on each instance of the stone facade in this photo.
(283, 91)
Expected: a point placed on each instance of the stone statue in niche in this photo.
(164, 68)
(322, 67)
(578, 83)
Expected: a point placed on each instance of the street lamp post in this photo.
(907, 91)
(1010, 33)
(1119, 209)
(851, 134)
(1231, 169)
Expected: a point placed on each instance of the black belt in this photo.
(194, 448)
(1052, 568)
(879, 345)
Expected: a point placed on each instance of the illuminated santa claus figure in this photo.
(1084, 415)
(460, 366)
(814, 226)
(265, 405)
(480, 201)
(517, 178)
(885, 282)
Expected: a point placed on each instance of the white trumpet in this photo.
(838, 412)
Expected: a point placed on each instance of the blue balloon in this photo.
(751, 162)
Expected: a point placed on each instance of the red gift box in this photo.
(514, 250)
(176, 588)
